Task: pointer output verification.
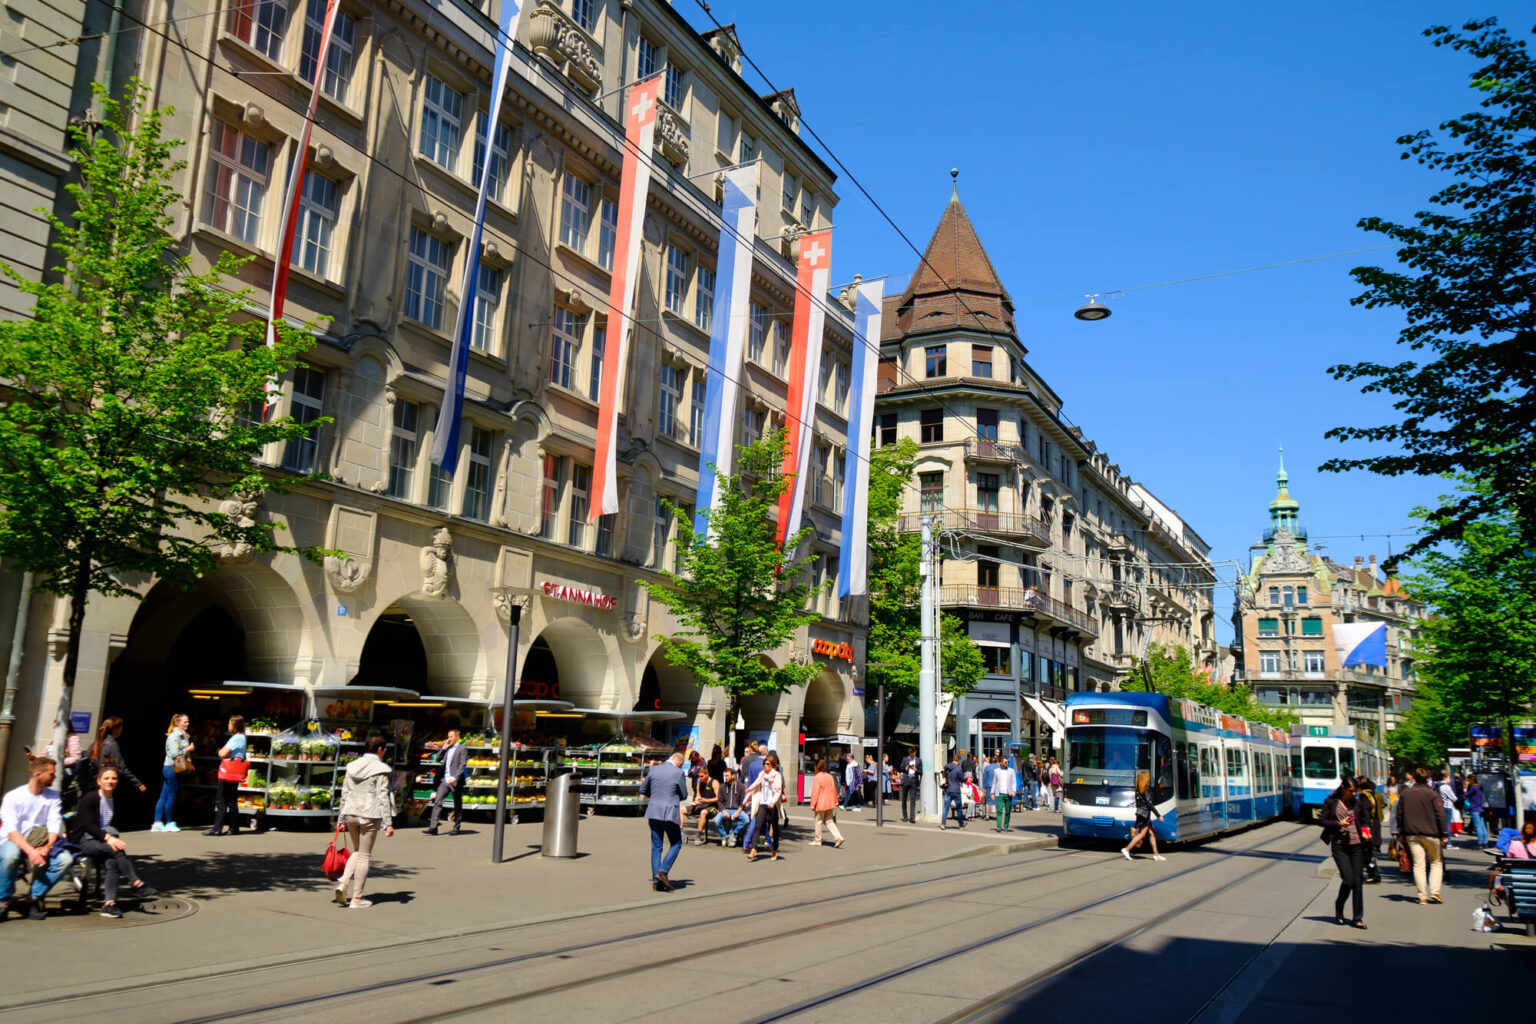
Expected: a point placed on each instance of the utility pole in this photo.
(927, 679)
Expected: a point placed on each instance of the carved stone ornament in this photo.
(633, 626)
(437, 564)
(505, 598)
(671, 136)
(556, 38)
(242, 508)
(800, 656)
(1287, 556)
(346, 574)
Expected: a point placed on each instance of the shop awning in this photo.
(638, 716)
(373, 693)
(240, 684)
(1055, 720)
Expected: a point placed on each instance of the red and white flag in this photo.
(639, 136)
(815, 272)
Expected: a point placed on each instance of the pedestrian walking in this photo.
(1368, 820)
(1342, 828)
(1476, 809)
(695, 769)
(1055, 782)
(853, 779)
(1421, 823)
(178, 762)
(987, 771)
(769, 788)
(106, 752)
(1004, 785)
(452, 778)
(954, 780)
(1448, 800)
(367, 808)
(1141, 828)
(824, 804)
(871, 779)
(666, 786)
(1030, 782)
(716, 764)
(94, 831)
(33, 818)
(225, 805)
(911, 785)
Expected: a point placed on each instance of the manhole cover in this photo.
(135, 912)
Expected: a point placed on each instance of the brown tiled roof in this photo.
(955, 285)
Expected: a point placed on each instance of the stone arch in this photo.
(578, 657)
(450, 638)
(825, 709)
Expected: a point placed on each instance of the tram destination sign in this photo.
(1108, 716)
(562, 592)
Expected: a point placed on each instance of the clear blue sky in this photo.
(1124, 145)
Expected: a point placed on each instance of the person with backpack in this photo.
(1368, 817)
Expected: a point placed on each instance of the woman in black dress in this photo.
(1145, 812)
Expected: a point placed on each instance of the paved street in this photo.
(899, 925)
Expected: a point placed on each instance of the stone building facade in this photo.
(1066, 567)
(434, 564)
(1290, 601)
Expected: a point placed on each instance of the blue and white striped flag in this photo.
(445, 439)
(1361, 643)
(728, 337)
(853, 568)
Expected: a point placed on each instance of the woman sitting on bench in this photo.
(93, 832)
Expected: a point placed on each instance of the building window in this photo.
(340, 56)
(442, 123)
(752, 421)
(981, 361)
(930, 491)
(487, 304)
(562, 351)
(840, 389)
(501, 155)
(791, 191)
(549, 499)
(317, 225)
(604, 545)
(308, 400)
(581, 488)
(807, 207)
(1301, 595)
(696, 412)
(819, 466)
(757, 332)
(704, 299)
(986, 424)
(1269, 627)
(838, 469)
(1312, 627)
(987, 486)
(584, 13)
(1269, 661)
(260, 23)
(1287, 596)
(426, 277)
(932, 426)
(575, 213)
(439, 487)
(934, 362)
(660, 527)
(673, 93)
(1312, 661)
(402, 449)
(477, 483)
(671, 399)
(780, 347)
(647, 64)
(748, 148)
(1274, 595)
(237, 182)
(595, 361)
(887, 433)
(607, 232)
(677, 279)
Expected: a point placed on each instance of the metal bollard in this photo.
(562, 812)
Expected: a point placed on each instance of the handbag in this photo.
(181, 764)
(1404, 861)
(335, 860)
(233, 769)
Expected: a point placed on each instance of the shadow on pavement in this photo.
(221, 873)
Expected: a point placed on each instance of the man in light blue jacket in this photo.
(666, 785)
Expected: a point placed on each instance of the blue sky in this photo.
(1123, 145)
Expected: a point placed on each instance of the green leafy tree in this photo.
(1476, 651)
(737, 593)
(122, 405)
(1171, 673)
(895, 594)
(1468, 405)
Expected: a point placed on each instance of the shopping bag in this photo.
(233, 769)
(335, 859)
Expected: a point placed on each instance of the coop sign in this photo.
(595, 598)
(833, 650)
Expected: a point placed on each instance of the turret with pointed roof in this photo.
(955, 285)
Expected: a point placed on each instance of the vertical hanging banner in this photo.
(814, 272)
(284, 255)
(445, 438)
(728, 337)
(853, 567)
(639, 137)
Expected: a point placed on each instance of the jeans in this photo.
(165, 807)
(1351, 862)
(1480, 822)
(114, 863)
(362, 832)
(226, 807)
(1426, 849)
(736, 820)
(674, 835)
(1004, 802)
(909, 800)
(14, 864)
(953, 800)
(456, 787)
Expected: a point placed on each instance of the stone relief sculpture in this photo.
(505, 599)
(437, 564)
(346, 574)
(242, 508)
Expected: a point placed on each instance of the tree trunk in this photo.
(79, 593)
(732, 710)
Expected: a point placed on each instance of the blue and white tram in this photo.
(1323, 754)
(1210, 772)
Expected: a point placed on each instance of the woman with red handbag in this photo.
(367, 807)
(232, 770)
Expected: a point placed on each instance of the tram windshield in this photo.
(1319, 763)
(1096, 757)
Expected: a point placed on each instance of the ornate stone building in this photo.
(434, 564)
(1291, 599)
(1062, 567)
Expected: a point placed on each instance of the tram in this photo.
(1323, 754)
(1210, 772)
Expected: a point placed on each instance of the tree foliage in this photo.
(121, 408)
(737, 593)
(1170, 672)
(1476, 651)
(895, 593)
(1470, 271)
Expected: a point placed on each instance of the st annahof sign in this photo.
(832, 650)
(595, 598)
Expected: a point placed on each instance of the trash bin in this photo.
(562, 811)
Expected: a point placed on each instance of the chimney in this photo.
(1358, 561)
(1373, 568)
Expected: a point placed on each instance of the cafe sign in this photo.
(595, 598)
(833, 650)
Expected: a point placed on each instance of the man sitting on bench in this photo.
(32, 816)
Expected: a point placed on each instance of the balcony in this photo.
(981, 449)
(1121, 598)
(1045, 609)
(1004, 524)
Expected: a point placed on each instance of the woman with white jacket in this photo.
(367, 807)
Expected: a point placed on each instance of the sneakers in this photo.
(839, 844)
(110, 910)
(157, 827)
(340, 895)
(170, 826)
(1434, 897)
(1125, 852)
(730, 840)
(1157, 857)
(143, 892)
(360, 904)
(35, 912)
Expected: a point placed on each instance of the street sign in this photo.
(858, 691)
